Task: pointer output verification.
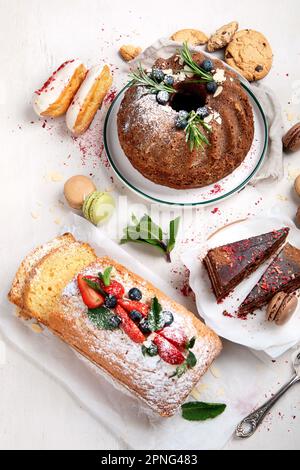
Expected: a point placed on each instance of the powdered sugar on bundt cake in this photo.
(159, 151)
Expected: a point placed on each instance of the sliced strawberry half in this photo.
(115, 288)
(167, 351)
(90, 297)
(176, 336)
(128, 326)
(130, 305)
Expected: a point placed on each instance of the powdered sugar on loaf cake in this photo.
(147, 377)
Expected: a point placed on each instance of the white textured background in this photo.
(35, 37)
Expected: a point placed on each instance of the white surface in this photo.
(111, 403)
(254, 331)
(36, 37)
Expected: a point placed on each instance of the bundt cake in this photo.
(183, 129)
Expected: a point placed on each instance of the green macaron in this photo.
(98, 207)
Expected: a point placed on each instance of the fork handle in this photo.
(248, 425)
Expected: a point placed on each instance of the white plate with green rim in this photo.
(210, 194)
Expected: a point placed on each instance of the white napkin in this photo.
(237, 378)
(273, 166)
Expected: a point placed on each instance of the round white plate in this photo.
(187, 197)
(255, 331)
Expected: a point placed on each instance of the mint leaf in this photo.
(191, 343)
(101, 317)
(147, 231)
(105, 277)
(94, 286)
(180, 370)
(149, 351)
(200, 411)
(191, 360)
(173, 231)
(155, 317)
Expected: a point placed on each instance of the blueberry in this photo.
(162, 97)
(207, 65)
(135, 294)
(181, 119)
(152, 350)
(114, 321)
(168, 317)
(157, 74)
(135, 315)
(110, 301)
(211, 87)
(169, 80)
(144, 326)
(183, 114)
(181, 123)
(202, 112)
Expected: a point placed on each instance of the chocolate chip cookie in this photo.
(222, 36)
(191, 36)
(250, 54)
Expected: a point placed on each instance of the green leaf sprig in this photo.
(148, 232)
(105, 276)
(187, 58)
(94, 285)
(101, 318)
(155, 316)
(200, 411)
(193, 133)
(139, 77)
(190, 361)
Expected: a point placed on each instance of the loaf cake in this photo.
(230, 264)
(16, 292)
(134, 332)
(158, 148)
(283, 275)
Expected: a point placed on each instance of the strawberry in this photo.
(130, 305)
(115, 288)
(167, 351)
(176, 336)
(90, 297)
(128, 326)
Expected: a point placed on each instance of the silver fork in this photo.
(248, 425)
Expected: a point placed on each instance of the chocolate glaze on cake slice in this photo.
(230, 264)
(283, 274)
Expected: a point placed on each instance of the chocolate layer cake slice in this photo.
(283, 274)
(230, 264)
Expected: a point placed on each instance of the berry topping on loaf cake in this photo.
(123, 324)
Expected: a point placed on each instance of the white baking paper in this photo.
(237, 378)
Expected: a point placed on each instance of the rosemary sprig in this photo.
(140, 77)
(186, 57)
(193, 134)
